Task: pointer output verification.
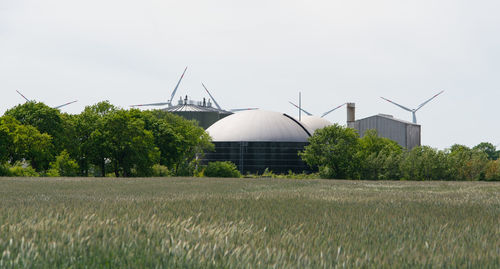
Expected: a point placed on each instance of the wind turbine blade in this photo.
(403, 107)
(176, 86)
(308, 114)
(330, 111)
(242, 109)
(57, 107)
(213, 99)
(424, 103)
(27, 100)
(154, 104)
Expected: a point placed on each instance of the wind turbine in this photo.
(169, 102)
(56, 107)
(413, 111)
(322, 115)
(217, 105)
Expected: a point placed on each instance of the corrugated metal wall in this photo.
(405, 134)
(255, 157)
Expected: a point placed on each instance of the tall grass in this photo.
(242, 223)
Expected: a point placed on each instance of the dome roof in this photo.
(258, 125)
(314, 123)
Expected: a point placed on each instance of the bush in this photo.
(221, 169)
(22, 170)
(63, 166)
(493, 171)
(161, 171)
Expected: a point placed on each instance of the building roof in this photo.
(258, 126)
(390, 117)
(314, 123)
(194, 108)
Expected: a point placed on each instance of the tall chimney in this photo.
(351, 113)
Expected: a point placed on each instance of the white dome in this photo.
(314, 123)
(258, 125)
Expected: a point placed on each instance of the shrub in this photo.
(63, 166)
(161, 171)
(493, 170)
(22, 170)
(221, 169)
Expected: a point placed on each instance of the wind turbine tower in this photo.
(413, 111)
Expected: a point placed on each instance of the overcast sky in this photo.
(261, 54)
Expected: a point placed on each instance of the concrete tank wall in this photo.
(255, 157)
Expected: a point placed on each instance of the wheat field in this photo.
(247, 223)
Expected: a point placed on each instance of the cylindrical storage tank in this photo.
(257, 139)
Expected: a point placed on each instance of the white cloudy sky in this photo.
(261, 53)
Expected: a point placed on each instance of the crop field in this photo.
(247, 223)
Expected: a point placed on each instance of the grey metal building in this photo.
(201, 111)
(405, 133)
(256, 139)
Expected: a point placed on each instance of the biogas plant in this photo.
(256, 140)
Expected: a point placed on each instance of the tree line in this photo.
(103, 139)
(339, 152)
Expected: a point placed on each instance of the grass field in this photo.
(237, 223)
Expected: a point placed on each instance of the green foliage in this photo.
(19, 169)
(130, 142)
(63, 166)
(424, 163)
(159, 170)
(93, 148)
(104, 139)
(290, 175)
(183, 145)
(333, 150)
(379, 157)
(221, 169)
(4, 170)
(25, 142)
(130, 145)
(45, 119)
(492, 171)
(382, 159)
(467, 164)
(488, 148)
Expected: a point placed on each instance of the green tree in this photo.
(182, 146)
(424, 163)
(92, 146)
(63, 166)
(379, 157)
(44, 118)
(25, 142)
(6, 142)
(333, 150)
(166, 138)
(466, 164)
(132, 148)
(488, 149)
(492, 171)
